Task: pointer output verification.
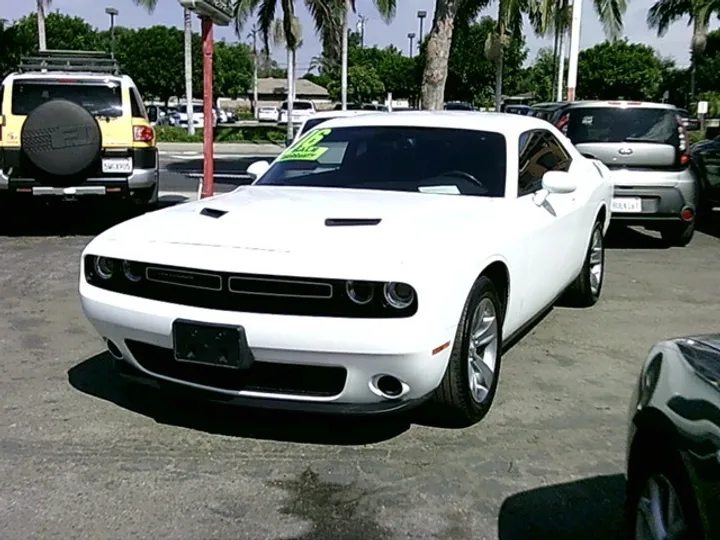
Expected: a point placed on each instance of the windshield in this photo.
(622, 124)
(395, 158)
(458, 107)
(309, 124)
(98, 99)
(298, 106)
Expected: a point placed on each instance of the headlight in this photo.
(104, 267)
(359, 292)
(398, 295)
(133, 271)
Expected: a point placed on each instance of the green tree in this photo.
(62, 31)
(620, 70)
(540, 77)
(154, 58)
(232, 69)
(364, 84)
(664, 13)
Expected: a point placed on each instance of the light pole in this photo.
(113, 13)
(421, 17)
(411, 36)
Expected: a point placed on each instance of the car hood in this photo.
(315, 220)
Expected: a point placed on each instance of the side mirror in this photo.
(257, 169)
(558, 182)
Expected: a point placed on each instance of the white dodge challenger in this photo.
(380, 262)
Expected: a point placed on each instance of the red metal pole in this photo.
(208, 186)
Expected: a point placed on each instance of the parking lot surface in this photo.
(81, 457)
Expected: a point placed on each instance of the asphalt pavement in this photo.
(81, 456)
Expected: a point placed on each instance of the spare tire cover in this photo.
(61, 138)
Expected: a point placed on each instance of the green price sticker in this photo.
(307, 148)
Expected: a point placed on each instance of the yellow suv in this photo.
(72, 127)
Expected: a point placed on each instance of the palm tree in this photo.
(664, 13)
(279, 39)
(42, 40)
(329, 16)
(439, 40)
(150, 6)
(510, 17)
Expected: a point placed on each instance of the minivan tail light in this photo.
(144, 134)
(683, 146)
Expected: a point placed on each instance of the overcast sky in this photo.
(675, 44)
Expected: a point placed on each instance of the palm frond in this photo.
(148, 5)
(663, 13)
(242, 11)
(386, 8)
(611, 14)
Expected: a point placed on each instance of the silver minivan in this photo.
(646, 147)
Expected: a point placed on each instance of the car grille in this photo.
(265, 377)
(248, 293)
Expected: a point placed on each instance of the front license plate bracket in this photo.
(215, 345)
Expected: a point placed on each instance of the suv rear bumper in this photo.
(142, 182)
(658, 204)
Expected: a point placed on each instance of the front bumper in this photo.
(338, 358)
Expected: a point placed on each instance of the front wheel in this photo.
(468, 388)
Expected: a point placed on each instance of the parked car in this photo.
(547, 110)
(705, 157)
(691, 124)
(673, 442)
(180, 116)
(319, 118)
(318, 287)
(301, 110)
(73, 128)
(348, 107)
(646, 147)
(458, 106)
(268, 113)
(517, 109)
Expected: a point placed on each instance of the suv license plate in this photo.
(117, 165)
(627, 204)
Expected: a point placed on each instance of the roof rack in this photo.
(75, 61)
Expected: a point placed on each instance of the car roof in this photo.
(339, 114)
(620, 103)
(95, 77)
(507, 124)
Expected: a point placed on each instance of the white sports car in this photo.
(379, 262)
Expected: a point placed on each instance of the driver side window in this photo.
(539, 152)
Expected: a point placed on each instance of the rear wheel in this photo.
(585, 290)
(678, 235)
(468, 388)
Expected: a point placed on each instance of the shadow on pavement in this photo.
(70, 219)
(237, 165)
(589, 509)
(97, 377)
(621, 237)
(710, 225)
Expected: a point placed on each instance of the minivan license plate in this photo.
(627, 204)
(117, 165)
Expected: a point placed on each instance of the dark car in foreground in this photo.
(706, 161)
(673, 449)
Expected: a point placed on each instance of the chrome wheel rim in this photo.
(482, 350)
(659, 514)
(597, 262)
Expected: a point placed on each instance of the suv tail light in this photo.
(144, 134)
(684, 144)
(562, 124)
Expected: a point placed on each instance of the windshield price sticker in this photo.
(307, 148)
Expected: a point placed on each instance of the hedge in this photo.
(229, 134)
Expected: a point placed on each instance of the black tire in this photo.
(452, 403)
(61, 139)
(668, 464)
(580, 293)
(678, 235)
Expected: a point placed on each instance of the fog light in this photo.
(398, 295)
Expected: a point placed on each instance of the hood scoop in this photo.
(212, 212)
(351, 222)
